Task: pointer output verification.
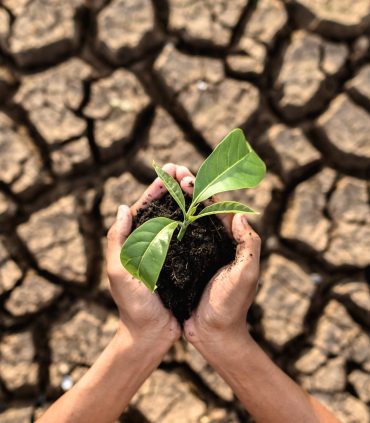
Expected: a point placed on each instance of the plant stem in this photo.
(183, 228)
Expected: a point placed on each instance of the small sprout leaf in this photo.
(232, 165)
(172, 186)
(225, 207)
(145, 250)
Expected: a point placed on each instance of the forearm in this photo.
(107, 388)
(268, 394)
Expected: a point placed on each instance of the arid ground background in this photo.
(91, 92)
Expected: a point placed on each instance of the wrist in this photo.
(114, 378)
(156, 340)
(220, 345)
(226, 359)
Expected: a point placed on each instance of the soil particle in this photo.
(192, 262)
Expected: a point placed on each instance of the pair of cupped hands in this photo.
(221, 314)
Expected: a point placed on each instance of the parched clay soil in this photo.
(90, 93)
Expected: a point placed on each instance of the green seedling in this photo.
(232, 165)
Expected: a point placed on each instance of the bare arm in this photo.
(219, 331)
(107, 388)
(266, 392)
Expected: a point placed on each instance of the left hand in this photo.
(142, 312)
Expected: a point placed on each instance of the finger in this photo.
(182, 172)
(117, 235)
(155, 190)
(187, 184)
(248, 245)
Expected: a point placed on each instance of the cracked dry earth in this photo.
(91, 91)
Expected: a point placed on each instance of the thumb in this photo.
(248, 245)
(238, 281)
(232, 289)
(117, 235)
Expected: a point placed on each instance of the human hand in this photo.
(142, 312)
(221, 314)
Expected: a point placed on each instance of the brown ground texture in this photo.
(91, 92)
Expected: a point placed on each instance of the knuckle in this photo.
(252, 275)
(175, 333)
(184, 169)
(112, 233)
(250, 278)
(227, 322)
(211, 320)
(256, 238)
(137, 311)
(114, 272)
(168, 167)
(191, 332)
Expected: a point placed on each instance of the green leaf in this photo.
(224, 207)
(145, 250)
(232, 165)
(172, 186)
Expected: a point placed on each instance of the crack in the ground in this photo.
(93, 177)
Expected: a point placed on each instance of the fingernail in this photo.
(245, 220)
(122, 211)
(188, 180)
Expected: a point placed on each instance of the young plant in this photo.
(232, 165)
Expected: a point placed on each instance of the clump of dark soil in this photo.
(191, 262)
